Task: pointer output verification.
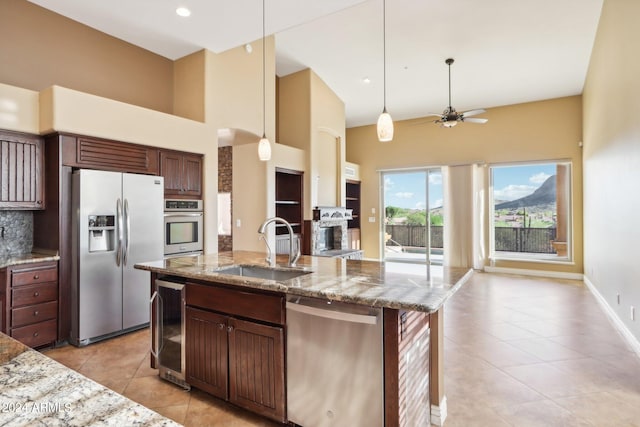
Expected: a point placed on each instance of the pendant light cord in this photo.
(384, 54)
(264, 78)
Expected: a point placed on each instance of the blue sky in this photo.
(407, 189)
(513, 182)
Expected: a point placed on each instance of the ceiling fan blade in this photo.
(474, 120)
(421, 122)
(473, 112)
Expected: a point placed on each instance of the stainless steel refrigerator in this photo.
(117, 222)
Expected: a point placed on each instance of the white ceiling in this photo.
(506, 51)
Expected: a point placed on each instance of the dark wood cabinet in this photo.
(182, 174)
(103, 154)
(289, 206)
(206, 351)
(21, 171)
(353, 202)
(289, 199)
(231, 350)
(31, 306)
(256, 368)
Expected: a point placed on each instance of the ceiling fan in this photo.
(450, 117)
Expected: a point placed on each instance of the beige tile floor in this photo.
(518, 352)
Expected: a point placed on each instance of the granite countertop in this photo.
(37, 390)
(37, 255)
(356, 281)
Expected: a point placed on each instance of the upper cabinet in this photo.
(103, 154)
(21, 171)
(182, 174)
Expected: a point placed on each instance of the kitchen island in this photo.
(229, 309)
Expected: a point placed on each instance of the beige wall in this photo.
(546, 130)
(40, 49)
(19, 109)
(189, 78)
(612, 160)
(312, 118)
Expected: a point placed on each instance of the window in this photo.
(411, 200)
(530, 206)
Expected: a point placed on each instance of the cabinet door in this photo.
(192, 175)
(21, 170)
(256, 368)
(206, 351)
(171, 170)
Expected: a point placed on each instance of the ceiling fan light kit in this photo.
(450, 117)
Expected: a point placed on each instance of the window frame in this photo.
(531, 256)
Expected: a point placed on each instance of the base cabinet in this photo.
(256, 368)
(206, 351)
(237, 360)
(31, 306)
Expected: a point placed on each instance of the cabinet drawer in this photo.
(37, 334)
(34, 276)
(268, 308)
(34, 314)
(35, 294)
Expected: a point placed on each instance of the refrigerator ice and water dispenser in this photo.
(101, 233)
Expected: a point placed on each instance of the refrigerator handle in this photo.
(119, 226)
(127, 231)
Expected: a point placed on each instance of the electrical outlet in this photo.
(372, 219)
(633, 313)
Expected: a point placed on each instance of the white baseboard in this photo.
(538, 273)
(618, 323)
(439, 413)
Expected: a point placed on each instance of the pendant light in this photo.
(385, 123)
(264, 146)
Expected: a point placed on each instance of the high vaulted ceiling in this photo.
(505, 51)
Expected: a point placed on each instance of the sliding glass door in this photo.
(413, 216)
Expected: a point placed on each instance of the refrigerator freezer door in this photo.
(143, 241)
(97, 287)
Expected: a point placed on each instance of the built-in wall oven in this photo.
(183, 227)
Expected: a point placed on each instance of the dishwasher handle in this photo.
(369, 319)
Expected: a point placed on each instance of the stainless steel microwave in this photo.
(183, 226)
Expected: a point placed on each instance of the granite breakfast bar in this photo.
(37, 390)
(412, 310)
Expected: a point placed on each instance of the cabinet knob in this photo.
(35, 334)
(221, 326)
(36, 277)
(36, 294)
(229, 328)
(35, 313)
(39, 202)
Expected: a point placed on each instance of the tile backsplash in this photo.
(16, 232)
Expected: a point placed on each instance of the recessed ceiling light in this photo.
(183, 11)
(366, 80)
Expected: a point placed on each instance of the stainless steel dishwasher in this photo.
(334, 364)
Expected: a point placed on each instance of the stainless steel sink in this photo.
(262, 272)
